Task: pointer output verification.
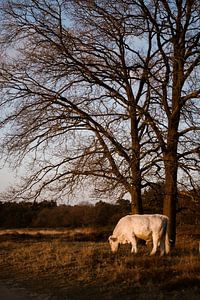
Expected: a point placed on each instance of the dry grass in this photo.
(62, 265)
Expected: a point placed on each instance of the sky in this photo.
(7, 177)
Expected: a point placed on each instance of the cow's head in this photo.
(114, 243)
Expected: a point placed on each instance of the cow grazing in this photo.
(146, 227)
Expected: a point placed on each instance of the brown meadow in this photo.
(77, 264)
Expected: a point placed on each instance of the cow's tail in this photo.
(167, 244)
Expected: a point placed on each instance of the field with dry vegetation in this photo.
(78, 264)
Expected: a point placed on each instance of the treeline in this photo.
(49, 214)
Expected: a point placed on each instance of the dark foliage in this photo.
(48, 214)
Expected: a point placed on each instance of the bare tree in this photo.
(73, 85)
(176, 90)
(102, 92)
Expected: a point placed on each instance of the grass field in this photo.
(78, 264)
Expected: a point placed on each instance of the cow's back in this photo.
(137, 225)
(141, 226)
(123, 226)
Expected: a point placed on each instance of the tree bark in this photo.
(136, 200)
(170, 155)
(170, 194)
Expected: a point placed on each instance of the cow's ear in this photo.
(112, 238)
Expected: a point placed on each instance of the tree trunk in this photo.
(135, 188)
(170, 155)
(170, 194)
(136, 197)
(136, 200)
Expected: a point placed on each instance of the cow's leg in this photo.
(149, 244)
(162, 245)
(134, 244)
(155, 238)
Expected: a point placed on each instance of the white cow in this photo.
(146, 227)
